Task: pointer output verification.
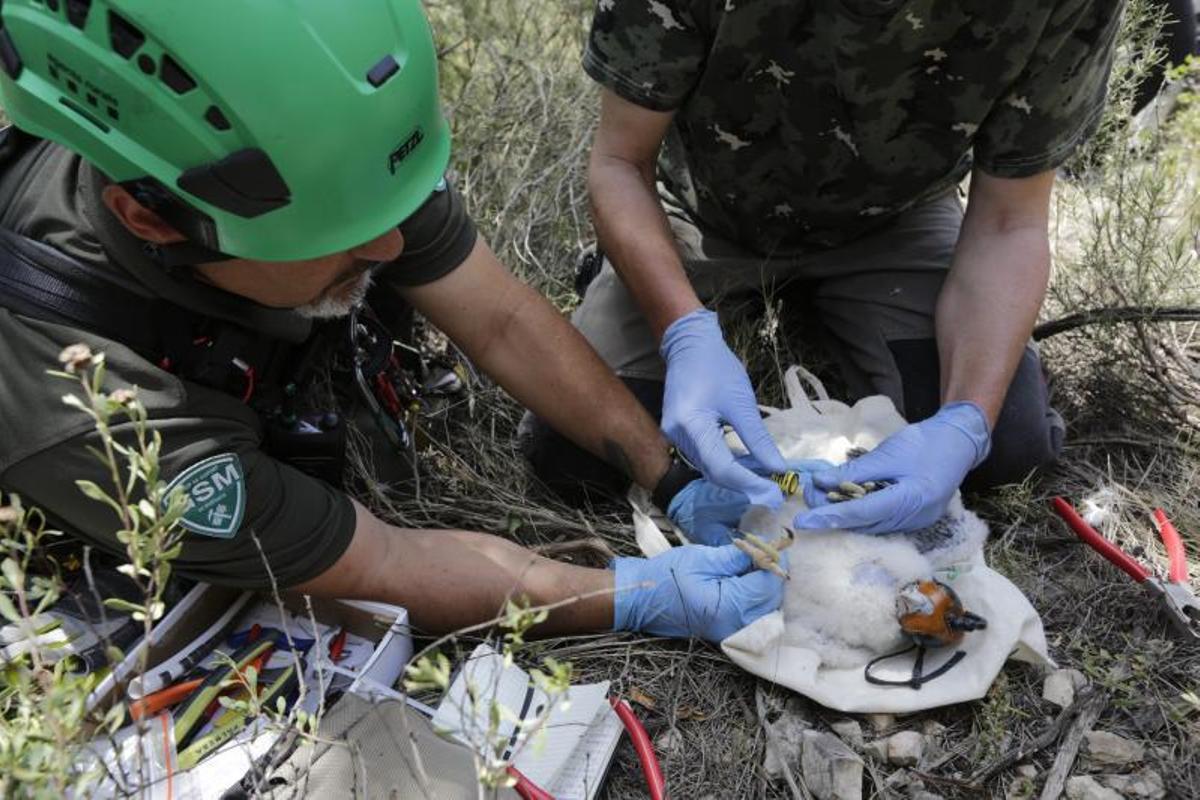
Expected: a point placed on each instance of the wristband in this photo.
(678, 475)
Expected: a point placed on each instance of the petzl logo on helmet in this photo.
(404, 150)
(216, 492)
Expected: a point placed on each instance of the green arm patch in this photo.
(216, 492)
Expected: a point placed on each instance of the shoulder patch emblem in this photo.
(216, 491)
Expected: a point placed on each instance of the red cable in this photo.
(644, 747)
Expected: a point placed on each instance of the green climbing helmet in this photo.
(289, 129)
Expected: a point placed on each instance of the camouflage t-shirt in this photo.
(806, 123)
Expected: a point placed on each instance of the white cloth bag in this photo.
(839, 609)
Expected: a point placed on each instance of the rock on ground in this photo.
(832, 771)
(931, 727)
(850, 732)
(1060, 686)
(1085, 787)
(787, 734)
(669, 741)
(1110, 749)
(1146, 784)
(905, 748)
(881, 722)
(876, 750)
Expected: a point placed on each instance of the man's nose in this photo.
(387, 247)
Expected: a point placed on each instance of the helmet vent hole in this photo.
(146, 64)
(215, 118)
(176, 76)
(83, 113)
(124, 37)
(77, 12)
(52, 5)
(386, 67)
(9, 59)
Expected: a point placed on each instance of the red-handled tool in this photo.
(651, 769)
(1104, 547)
(1182, 607)
(527, 789)
(1178, 570)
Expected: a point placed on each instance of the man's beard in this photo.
(338, 300)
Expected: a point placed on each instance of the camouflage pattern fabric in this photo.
(803, 124)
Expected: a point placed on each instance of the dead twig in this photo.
(1057, 777)
(1107, 316)
(1084, 703)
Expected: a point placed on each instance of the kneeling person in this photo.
(231, 196)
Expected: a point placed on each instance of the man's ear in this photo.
(137, 219)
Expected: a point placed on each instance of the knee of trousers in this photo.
(1029, 433)
(571, 472)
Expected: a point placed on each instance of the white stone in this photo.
(787, 733)
(903, 780)
(1145, 784)
(925, 795)
(1110, 749)
(876, 750)
(1084, 787)
(668, 741)
(1060, 686)
(881, 722)
(905, 748)
(931, 727)
(1027, 771)
(831, 770)
(850, 733)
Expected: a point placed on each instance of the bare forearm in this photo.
(633, 233)
(514, 335)
(549, 368)
(449, 579)
(987, 310)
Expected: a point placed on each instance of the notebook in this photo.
(568, 757)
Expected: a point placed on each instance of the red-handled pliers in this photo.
(1183, 609)
(651, 769)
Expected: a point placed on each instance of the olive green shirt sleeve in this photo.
(649, 52)
(293, 527)
(1056, 102)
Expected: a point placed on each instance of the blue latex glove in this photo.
(708, 513)
(707, 592)
(927, 462)
(706, 386)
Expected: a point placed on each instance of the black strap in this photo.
(678, 475)
(918, 679)
(40, 282)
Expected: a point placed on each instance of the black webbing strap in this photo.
(69, 293)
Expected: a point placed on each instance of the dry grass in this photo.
(1124, 234)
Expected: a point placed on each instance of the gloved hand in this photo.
(707, 385)
(708, 592)
(708, 513)
(927, 462)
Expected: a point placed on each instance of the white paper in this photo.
(570, 754)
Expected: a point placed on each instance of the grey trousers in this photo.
(874, 300)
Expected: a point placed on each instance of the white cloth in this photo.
(839, 608)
